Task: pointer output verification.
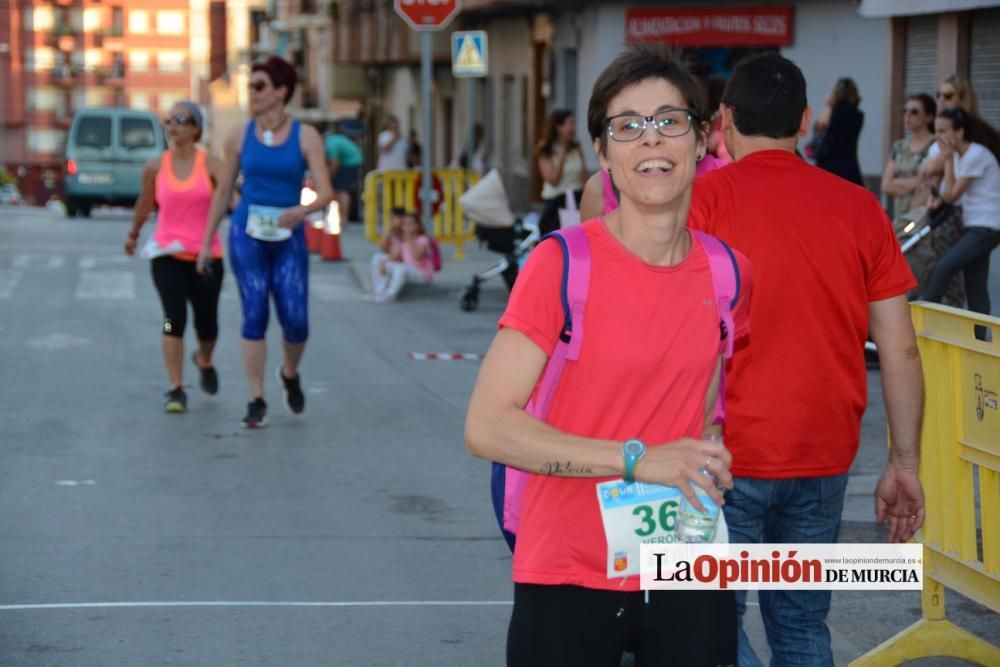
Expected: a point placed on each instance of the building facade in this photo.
(67, 55)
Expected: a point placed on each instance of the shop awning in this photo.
(883, 8)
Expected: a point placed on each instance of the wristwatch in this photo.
(632, 451)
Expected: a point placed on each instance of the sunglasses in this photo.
(258, 86)
(946, 96)
(179, 119)
(911, 111)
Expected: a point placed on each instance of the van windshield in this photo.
(137, 133)
(94, 132)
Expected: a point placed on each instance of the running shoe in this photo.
(256, 414)
(295, 400)
(176, 401)
(208, 379)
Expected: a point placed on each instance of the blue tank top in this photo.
(272, 175)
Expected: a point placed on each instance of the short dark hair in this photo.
(400, 211)
(767, 93)
(634, 65)
(280, 72)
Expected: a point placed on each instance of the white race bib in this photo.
(262, 223)
(639, 513)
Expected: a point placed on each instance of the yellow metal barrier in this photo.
(385, 190)
(961, 437)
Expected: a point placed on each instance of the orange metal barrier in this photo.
(960, 471)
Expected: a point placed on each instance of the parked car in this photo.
(10, 195)
(105, 151)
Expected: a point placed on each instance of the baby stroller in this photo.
(486, 204)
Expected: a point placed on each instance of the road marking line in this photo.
(223, 603)
(92, 262)
(445, 356)
(34, 260)
(58, 341)
(97, 285)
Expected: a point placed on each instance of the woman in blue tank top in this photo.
(267, 248)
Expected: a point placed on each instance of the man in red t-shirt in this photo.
(828, 271)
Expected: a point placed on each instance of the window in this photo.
(41, 18)
(117, 22)
(171, 22)
(138, 61)
(138, 22)
(168, 99)
(93, 19)
(170, 61)
(45, 99)
(98, 97)
(94, 132)
(139, 100)
(40, 60)
(93, 59)
(45, 140)
(137, 133)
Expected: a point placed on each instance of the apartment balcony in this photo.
(110, 76)
(112, 39)
(65, 76)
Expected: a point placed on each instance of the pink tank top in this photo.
(184, 206)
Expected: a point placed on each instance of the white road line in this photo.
(95, 285)
(237, 603)
(92, 262)
(34, 260)
(8, 282)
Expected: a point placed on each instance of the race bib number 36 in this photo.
(262, 224)
(633, 514)
(638, 513)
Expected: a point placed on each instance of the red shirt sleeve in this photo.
(888, 273)
(535, 305)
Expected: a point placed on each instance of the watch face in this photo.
(634, 447)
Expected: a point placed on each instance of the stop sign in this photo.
(428, 14)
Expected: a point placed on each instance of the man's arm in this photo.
(899, 497)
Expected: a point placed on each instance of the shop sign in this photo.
(720, 26)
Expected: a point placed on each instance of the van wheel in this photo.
(72, 208)
(85, 210)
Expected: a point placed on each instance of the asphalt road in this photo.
(359, 533)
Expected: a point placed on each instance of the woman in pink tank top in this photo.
(179, 185)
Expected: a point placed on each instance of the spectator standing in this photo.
(828, 270)
(344, 160)
(837, 150)
(972, 175)
(561, 165)
(392, 147)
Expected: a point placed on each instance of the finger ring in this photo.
(913, 516)
(705, 472)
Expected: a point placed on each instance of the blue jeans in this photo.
(791, 511)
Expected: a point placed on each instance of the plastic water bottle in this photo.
(695, 526)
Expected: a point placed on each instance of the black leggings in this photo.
(570, 626)
(178, 282)
(549, 221)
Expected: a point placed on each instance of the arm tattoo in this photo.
(564, 468)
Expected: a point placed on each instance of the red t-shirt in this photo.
(822, 249)
(650, 345)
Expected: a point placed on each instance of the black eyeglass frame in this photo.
(648, 120)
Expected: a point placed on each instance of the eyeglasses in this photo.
(911, 111)
(670, 122)
(258, 86)
(946, 95)
(179, 119)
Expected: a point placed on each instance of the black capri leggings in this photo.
(178, 282)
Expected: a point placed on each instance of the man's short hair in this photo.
(767, 93)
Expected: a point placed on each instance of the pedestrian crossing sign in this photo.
(468, 53)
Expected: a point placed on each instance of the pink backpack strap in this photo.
(610, 198)
(573, 293)
(726, 283)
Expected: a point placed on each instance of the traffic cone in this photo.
(329, 248)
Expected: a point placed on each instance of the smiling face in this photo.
(652, 170)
